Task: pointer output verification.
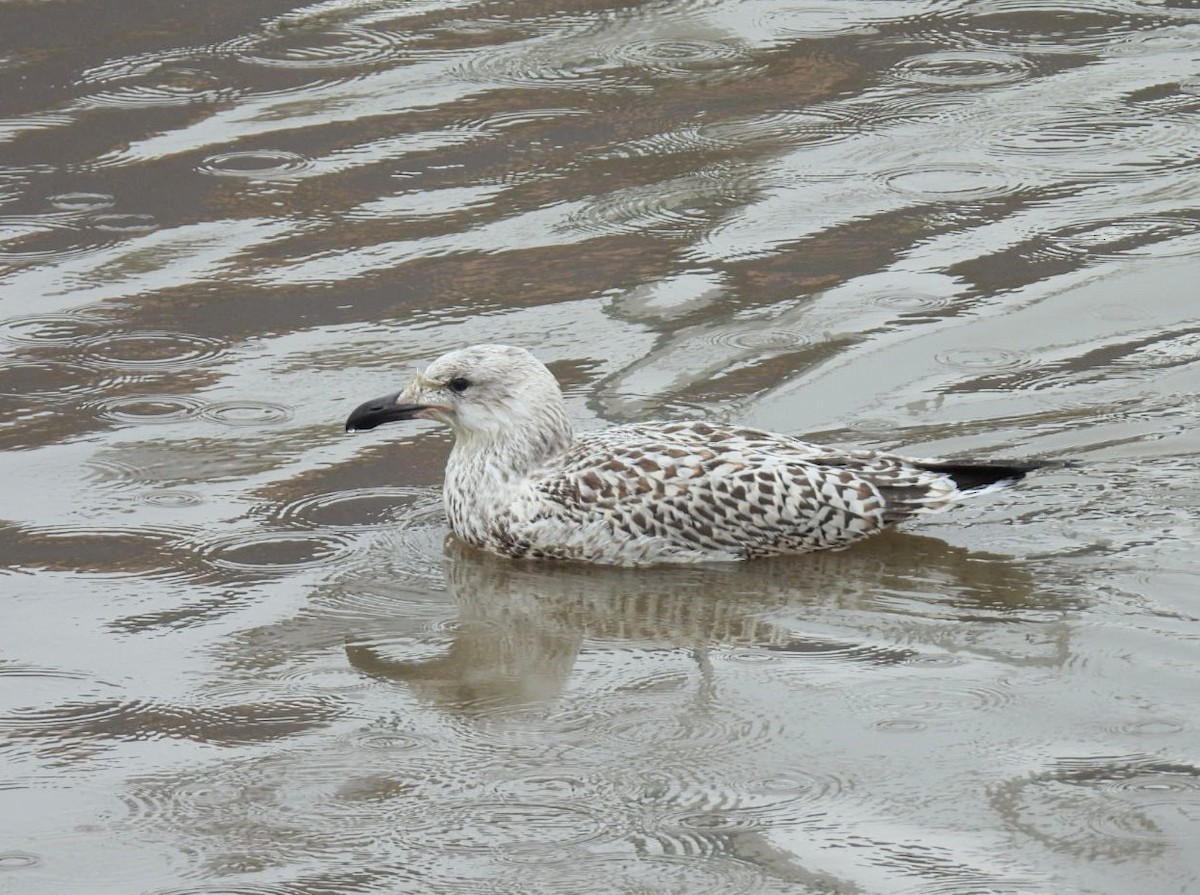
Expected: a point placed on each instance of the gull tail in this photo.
(982, 478)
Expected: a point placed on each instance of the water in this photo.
(238, 653)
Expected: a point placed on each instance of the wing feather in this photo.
(701, 486)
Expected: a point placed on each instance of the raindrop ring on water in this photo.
(963, 68)
(344, 46)
(48, 329)
(359, 508)
(127, 224)
(151, 350)
(950, 182)
(247, 413)
(16, 860)
(984, 359)
(276, 552)
(255, 164)
(149, 408)
(82, 201)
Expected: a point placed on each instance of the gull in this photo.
(520, 483)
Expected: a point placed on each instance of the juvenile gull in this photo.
(520, 484)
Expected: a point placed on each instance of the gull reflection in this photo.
(522, 626)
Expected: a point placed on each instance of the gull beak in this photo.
(387, 409)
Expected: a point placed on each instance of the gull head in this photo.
(488, 392)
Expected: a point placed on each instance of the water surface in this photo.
(238, 652)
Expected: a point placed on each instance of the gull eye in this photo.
(459, 384)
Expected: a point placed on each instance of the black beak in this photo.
(371, 413)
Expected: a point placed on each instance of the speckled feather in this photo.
(518, 483)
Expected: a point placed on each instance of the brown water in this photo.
(237, 652)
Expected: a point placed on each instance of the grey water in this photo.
(239, 654)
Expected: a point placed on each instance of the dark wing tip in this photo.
(968, 476)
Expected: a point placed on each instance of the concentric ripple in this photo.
(144, 409)
(1106, 809)
(963, 68)
(360, 508)
(906, 704)
(275, 553)
(168, 85)
(82, 201)
(128, 551)
(24, 686)
(248, 413)
(639, 723)
(256, 164)
(541, 64)
(151, 351)
(17, 860)
(1115, 239)
(171, 499)
(692, 57)
(307, 48)
(955, 183)
(1049, 26)
(695, 874)
(915, 303)
(676, 208)
(689, 801)
(976, 360)
(810, 127)
(54, 380)
(129, 224)
(49, 329)
(766, 338)
(483, 826)
(826, 19)
(41, 238)
(1078, 131)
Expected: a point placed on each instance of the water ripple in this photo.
(1105, 809)
(1049, 26)
(542, 64)
(275, 552)
(143, 409)
(171, 499)
(1117, 238)
(256, 164)
(151, 351)
(49, 329)
(306, 48)
(127, 224)
(810, 127)
(17, 860)
(696, 799)
(963, 68)
(693, 58)
(34, 238)
(765, 337)
(951, 182)
(695, 874)
(986, 359)
(54, 380)
(908, 705)
(170, 85)
(128, 551)
(248, 413)
(484, 826)
(673, 209)
(359, 508)
(81, 201)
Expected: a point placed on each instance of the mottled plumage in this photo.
(519, 483)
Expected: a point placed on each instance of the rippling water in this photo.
(238, 653)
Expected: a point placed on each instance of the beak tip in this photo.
(372, 413)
